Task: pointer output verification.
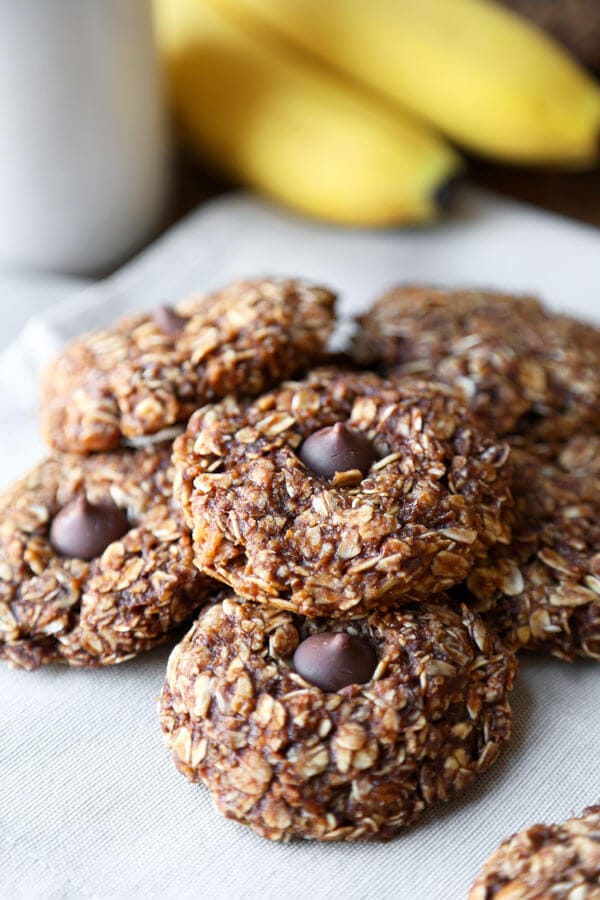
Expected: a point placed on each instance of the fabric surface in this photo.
(26, 292)
(90, 804)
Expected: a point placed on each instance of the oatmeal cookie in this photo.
(542, 591)
(546, 862)
(581, 455)
(341, 493)
(95, 564)
(152, 371)
(413, 705)
(519, 367)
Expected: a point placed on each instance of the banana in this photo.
(292, 129)
(481, 74)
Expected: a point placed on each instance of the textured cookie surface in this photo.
(432, 501)
(546, 862)
(294, 761)
(520, 368)
(143, 376)
(98, 612)
(543, 589)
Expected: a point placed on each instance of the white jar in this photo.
(83, 143)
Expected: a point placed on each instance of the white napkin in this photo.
(90, 804)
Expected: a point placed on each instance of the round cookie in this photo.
(102, 609)
(545, 862)
(292, 760)
(151, 371)
(542, 591)
(519, 367)
(409, 517)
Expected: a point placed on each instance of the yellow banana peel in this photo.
(292, 129)
(481, 74)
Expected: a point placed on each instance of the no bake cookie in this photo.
(95, 564)
(542, 591)
(340, 493)
(519, 367)
(243, 715)
(546, 862)
(151, 371)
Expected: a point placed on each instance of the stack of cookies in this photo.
(533, 378)
(337, 690)
(367, 544)
(96, 564)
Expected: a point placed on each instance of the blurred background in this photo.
(119, 116)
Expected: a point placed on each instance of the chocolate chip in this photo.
(337, 448)
(168, 320)
(333, 660)
(84, 530)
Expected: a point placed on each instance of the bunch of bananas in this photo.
(341, 108)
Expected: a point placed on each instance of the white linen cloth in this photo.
(90, 804)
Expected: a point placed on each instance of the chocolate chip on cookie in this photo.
(430, 498)
(423, 713)
(337, 448)
(95, 563)
(333, 660)
(169, 321)
(83, 529)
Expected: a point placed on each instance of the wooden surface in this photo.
(572, 194)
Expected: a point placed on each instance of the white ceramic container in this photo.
(84, 169)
